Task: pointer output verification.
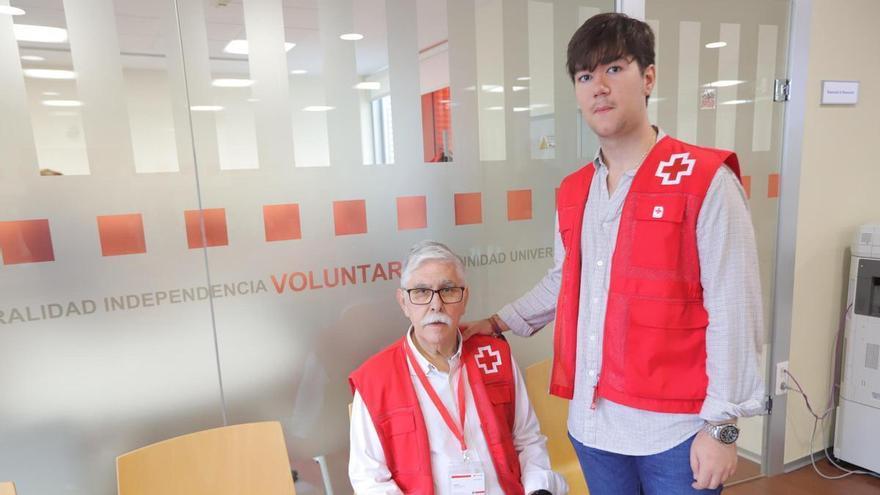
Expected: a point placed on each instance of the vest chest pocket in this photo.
(398, 430)
(398, 423)
(500, 441)
(658, 231)
(501, 396)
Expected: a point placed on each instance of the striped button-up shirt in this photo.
(732, 297)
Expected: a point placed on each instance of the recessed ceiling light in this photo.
(317, 108)
(32, 58)
(7, 10)
(231, 83)
(240, 47)
(368, 85)
(735, 102)
(299, 71)
(39, 34)
(351, 36)
(519, 88)
(494, 108)
(492, 88)
(724, 83)
(50, 74)
(524, 78)
(520, 109)
(206, 108)
(51, 93)
(716, 44)
(62, 103)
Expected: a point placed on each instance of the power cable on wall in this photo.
(819, 419)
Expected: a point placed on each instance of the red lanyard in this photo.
(457, 430)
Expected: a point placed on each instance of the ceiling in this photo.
(141, 36)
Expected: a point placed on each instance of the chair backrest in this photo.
(246, 458)
(552, 414)
(7, 488)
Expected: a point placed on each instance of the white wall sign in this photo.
(840, 92)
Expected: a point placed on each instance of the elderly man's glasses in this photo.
(449, 295)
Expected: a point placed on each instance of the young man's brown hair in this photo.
(607, 37)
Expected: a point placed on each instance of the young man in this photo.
(655, 287)
(433, 414)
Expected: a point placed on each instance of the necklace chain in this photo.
(642, 158)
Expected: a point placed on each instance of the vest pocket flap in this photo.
(499, 394)
(662, 208)
(668, 314)
(398, 423)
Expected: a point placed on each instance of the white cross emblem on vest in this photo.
(488, 359)
(679, 165)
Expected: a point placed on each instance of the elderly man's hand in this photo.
(712, 461)
(482, 327)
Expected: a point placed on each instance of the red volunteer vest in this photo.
(654, 345)
(386, 387)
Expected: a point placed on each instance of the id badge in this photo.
(467, 478)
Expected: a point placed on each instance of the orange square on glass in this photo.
(519, 205)
(26, 241)
(121, 234)
(215, 227)
(281, 222)
(412, 213)
(350, 217)
(773, 186)
(747, 185)
(468, 208)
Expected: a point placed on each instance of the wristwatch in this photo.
(496, 328)
(725, 433)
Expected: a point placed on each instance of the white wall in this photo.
(838, 192)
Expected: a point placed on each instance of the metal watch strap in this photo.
(714, 431)
(496, 328)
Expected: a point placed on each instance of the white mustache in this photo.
(436, 318)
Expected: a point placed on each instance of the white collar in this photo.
(423, 362)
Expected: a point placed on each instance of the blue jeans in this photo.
(666, 473)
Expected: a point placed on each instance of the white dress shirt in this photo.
(370, 475)
(731, 295)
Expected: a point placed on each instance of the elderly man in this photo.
(435, 414)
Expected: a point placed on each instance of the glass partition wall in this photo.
(204, 206)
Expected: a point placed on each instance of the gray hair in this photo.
(428, 250)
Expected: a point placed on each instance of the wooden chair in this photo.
(246, 458)
(7, 488)
(552, 414)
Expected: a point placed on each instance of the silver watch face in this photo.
(727, 434)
